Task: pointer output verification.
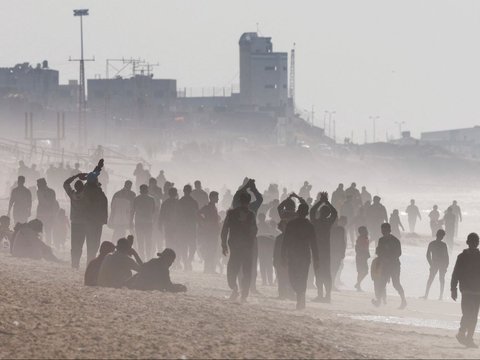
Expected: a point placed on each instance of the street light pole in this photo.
(82, 102)
(400, 123)
(374, 120)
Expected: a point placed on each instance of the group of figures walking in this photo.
(300, 240)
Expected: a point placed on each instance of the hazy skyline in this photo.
(409, 61)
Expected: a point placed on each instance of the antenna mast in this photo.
(292, 76)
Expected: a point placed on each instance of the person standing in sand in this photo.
(238, 237)
(437, 257)
(389, 250)
(467, 274)
(298, 248)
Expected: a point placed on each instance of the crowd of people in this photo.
(302, 241)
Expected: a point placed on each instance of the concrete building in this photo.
(37, 85)
(263, 73)
(464, 142)
(137, 98)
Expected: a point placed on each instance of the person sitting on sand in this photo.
(117, 268)
(27, 242)
(155, 274)
(93, 268)
(5, 232)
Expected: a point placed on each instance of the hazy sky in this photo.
(412, 61)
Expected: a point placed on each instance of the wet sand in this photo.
(46, 312)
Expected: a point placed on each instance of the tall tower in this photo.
(263, 73)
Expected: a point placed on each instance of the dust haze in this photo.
(272, 107)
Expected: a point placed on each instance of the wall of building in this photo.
(263, 73)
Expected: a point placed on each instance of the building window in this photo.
(284, 68)
(270, 86)
(270, 68)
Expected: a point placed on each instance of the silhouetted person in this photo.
(305, 190)
(96, 211)
(435, 223)
(449, 221)
(361, 216)
(167, 219)
(413, 214)
(144, 209)
(287, 208)
(365, 195)
(467, 274)
(299, 245)
(21, 202)
(166, 187)
(121, 211)
(141, 175)
(362, 254)
(47, 208)
(266, 244)
(209, 233)
(93, 267)
(227, 199)
(156, 193)
(348, 211)
(376, 216)
(353, 192)
(458, 215)
(27, 242)
(155, 275)
(161, 179)
(249, 187)
(238, 236)
(338, 247)
(285, 290)
(22, 169)
(78, 231)
(273, 211)
(437, 257)
(117, 268)
(389, 250)
(199, 195)
(396, 224)
(5, 232)
(338, 197)
(186, 233)
(323, 223)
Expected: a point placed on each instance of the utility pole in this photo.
(374, 119)
(400, 123)
(82, 100)
(292, 77)
(330, 121)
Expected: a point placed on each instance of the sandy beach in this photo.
(46, 312)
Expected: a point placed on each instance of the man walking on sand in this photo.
(467, 274)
